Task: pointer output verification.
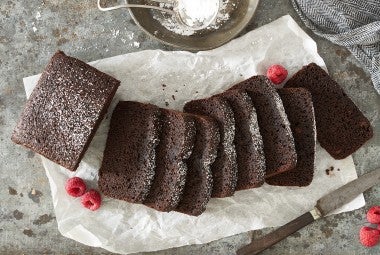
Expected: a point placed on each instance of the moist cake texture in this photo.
(129, 159)
(279, 148)
(64, 110)
(198, 186)
(248, 141)
(299, 109)
(175, 146)
(341, 126)
(224, 169)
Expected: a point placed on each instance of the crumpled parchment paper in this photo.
(169, 79)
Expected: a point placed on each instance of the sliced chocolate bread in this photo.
(341, 126)
(176, 144)
(129, 160)
(248, 141)
(199, 182)
(64, 110)
(224, 169)
(299, 109)
(279, 148)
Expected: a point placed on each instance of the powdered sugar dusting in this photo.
(284, 117)
(172, 24)
(198, 13)
(258, 142)
(229, 148)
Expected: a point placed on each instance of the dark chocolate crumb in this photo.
(163, 85)
(21, 195)
(330, 170)
(176, 90)
(166, 103)
(196, 91)
(173, 97)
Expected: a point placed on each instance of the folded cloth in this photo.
(354, 24)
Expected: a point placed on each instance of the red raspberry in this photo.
(91, 200)
(75, 187)
(277, 73)
(369, 236)
(373, 215)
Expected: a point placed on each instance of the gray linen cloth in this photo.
(354, 24)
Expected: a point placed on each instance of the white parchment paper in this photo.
(169, 79)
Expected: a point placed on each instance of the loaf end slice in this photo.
(341, 127)
(64, 110)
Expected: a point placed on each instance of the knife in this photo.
(325, 205)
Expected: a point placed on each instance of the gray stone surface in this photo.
(31, 31)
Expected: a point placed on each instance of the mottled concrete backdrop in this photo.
(31, 31)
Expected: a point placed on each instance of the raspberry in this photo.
(277, 73)
(369, 236)
(91, 200)
(75, 187)
(373, 215)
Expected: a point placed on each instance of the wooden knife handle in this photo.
(259, 245)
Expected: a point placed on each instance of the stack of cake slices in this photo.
(235, 140)
(176, 161)
(170, 160)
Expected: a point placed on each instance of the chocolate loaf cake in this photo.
(248, 141)
(341, 126)
(224, 169)
(176, 144)
(129, 160)
(199, 182)
(279, 148)
(299, 109)
(64, 110)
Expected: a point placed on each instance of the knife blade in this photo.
(325, 205)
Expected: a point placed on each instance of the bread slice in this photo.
(224, 169)
(129, 159)
(198, 186)
(64, 110)
(299, 109)
(175, 147)
(248, 141)
(279, 148)
(341, 126)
